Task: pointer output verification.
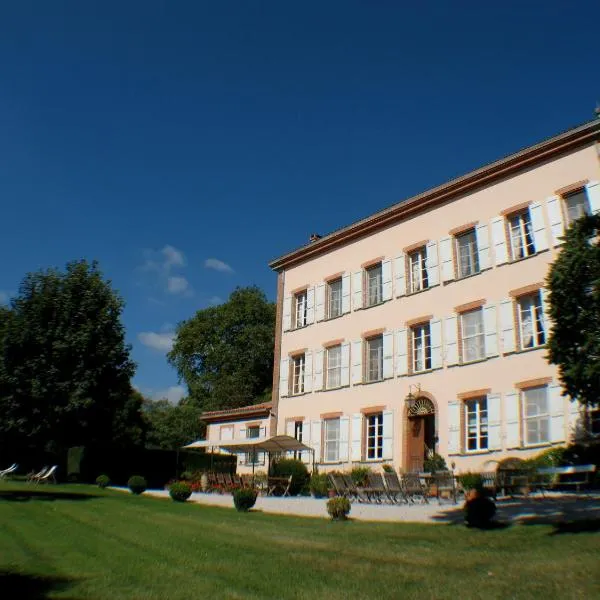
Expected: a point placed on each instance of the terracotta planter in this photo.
(331, 493)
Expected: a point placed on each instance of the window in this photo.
(334, 367)
(577, 205)
(473, 336)
(375, 436)
(253, 432)
(418, 270)
(298, 363)
(375, 358)
(421, 348)
(226, 432)
(300, 309)
(536, 417)
(334, 298)
(476, 422)
(298, 436)
(253, 457)
(466, 253)
(531, 321)
(521, 235)
(332, 440)
(374, 285)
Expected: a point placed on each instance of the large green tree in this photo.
(225, 353)
(574, 306)
(65, 369)
(171, 426)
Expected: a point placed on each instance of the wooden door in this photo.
(416, 443)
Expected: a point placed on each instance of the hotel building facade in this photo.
(422, 328)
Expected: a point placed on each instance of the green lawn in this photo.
(108, 545)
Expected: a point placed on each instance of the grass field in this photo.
(79, 542)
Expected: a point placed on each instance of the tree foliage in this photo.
(65, 369)
(172, 426)
(574, 306)
(225, 353)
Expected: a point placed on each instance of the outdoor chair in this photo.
(220, 479)
(339, 485)
(375, 489)
(414, 488)
(353, 490)
(489, 480)
(33, 476)
(237, 480)
(228, 479)
(445, 482)
(49, 476)
(8, 471)
(394, 487)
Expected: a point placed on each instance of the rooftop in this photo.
(242, 411)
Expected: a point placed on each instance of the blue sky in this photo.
(186, 144)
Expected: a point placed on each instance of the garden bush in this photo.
(319, 485)
(297, 469)
(244, 499)
(479, 511)
(434, 464)
(137, 484)
(338, 508)
(180, 491)
(103, 481)
(387, 468)
(359, 475)
(471, 481)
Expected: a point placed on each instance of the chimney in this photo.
(314, 237)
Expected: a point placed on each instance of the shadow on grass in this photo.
(46, 495)
(34, 587)
(583, 526)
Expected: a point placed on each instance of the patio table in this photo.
(275, 484)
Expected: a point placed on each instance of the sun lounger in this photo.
(33, 476)
(375, 489)
(414, 488)
(49, 476)
(394, 487)
(445, 483)
(8, 471)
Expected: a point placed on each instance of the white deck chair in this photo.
(49, 476)
(33, 476)
(8, 471)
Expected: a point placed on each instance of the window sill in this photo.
(525, 350)
(365, 307)
(474, 362)
(458, 278)
(333, 318)
(333, 389)
(518, 260)
(298, 395)
(539, 445)
(417, 292)
(375, 381)
(301, 327)
(477, 452)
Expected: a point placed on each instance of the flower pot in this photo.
(331, 493)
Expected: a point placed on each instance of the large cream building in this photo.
(422, 328)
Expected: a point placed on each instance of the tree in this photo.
(225, 353)
(65, 369)
(172, 426)
(574, 306)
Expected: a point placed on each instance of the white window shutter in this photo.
(388, 355)
(538, 224)
(344, 431)
(308, 372)
(310, 305)
(263, 431)
(435, 329)
(454, 427)
(386, 280)
(320, 302)
(357, 371)
(345, 293)
(512, 420)
(357, 290)
(318, 371)
(290, 428)
(593, 194)
(494, 422)
(284, 373)
(553, 207)
(482, 236)
(401, 353)
(490, 324)
(507, 325)
(287, 313)
(446, 259)
(545, 298)
(451, 341)
(400, 270)
(499, 239)
(306, 440)
(356, 453)
(315, 439)
(557, 413)
(573, 420)
(345, 369)
(432, 264)
(243, 433)
(388, 435)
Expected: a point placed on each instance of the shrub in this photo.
(435, 463)
(479, 511)
(319, 485)
(359, 475)
(244, 499)
(103, 481)
(180, 491)
(137, 484)
(471, 481)
(338, 508)
(188, 476)
(296, 468)
(387, 468)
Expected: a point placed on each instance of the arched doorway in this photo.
(420, 433)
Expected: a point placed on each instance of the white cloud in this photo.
(217, 265)
(173, 257)
(177, 285)
(157, 341)
(173, 394)
(4, 297)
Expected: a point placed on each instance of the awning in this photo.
(278, 443)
